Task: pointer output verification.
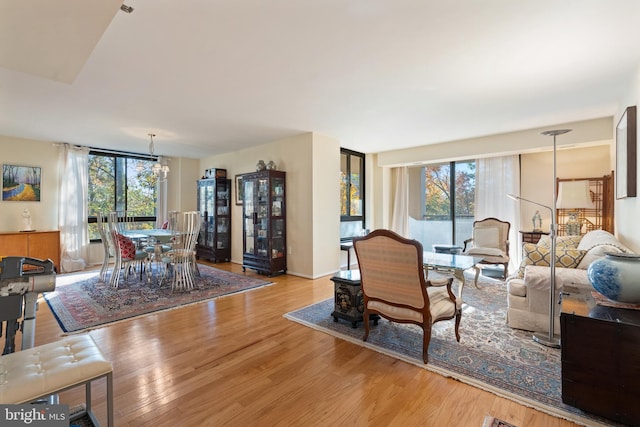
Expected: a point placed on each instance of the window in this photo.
(447, 192)
(121, 181)
(351, 185)
(352, 200)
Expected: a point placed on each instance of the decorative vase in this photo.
(260, 166)
(617, 276)
(271, 165)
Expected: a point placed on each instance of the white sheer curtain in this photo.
(495, 178)
(161, 204)
(72, 207)
(400, 208)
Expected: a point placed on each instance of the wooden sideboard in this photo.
(34, 244)
(600, 357)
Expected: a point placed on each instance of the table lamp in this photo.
(574, 195)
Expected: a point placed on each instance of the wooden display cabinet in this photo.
(214, 205)
(264, 222)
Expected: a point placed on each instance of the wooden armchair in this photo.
(491, 242)
(394, 285)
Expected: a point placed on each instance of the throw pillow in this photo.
(541, 255)
(561, 241)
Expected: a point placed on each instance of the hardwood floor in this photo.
(237, 361)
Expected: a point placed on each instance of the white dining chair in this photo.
(107, 245)
(181, 267)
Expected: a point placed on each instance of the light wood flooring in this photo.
(237, 361)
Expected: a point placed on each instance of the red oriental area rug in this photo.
(82, 301)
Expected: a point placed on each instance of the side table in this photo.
(600, 357)
(348, 302)
(532, 236)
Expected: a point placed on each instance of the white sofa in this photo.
(528, 290)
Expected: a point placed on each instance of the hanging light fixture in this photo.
(160, 170)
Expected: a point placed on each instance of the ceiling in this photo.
(216, 76)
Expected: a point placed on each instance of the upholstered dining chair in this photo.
(394, 285)
(125, 251)
(490, 241)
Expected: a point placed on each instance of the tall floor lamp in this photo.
(550, 339)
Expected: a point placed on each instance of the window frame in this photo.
(349, 153)
(92, 219)
(453, 216)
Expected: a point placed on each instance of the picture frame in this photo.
(239, 190)
(626, 154)
(21, 183)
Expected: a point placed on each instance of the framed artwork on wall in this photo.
(626, 170)
(239, 190)
(21, 183)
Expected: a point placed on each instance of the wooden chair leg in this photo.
(426, 339)
(458, 317)
(365, 318)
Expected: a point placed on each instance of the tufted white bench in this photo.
(35, 373)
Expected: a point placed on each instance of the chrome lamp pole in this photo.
(550, 339)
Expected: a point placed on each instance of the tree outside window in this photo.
(124, 183)
(351, 185)
(449, 204)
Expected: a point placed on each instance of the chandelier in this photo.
(160, 170)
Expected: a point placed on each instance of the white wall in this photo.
(588, 132)
(312, 164)
(628, 210)
(181, 185)
(537, 176)
(26, 152)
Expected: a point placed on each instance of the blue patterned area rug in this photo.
(82, 301)
(490, 355)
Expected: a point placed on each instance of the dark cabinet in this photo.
(532, 236)
(600, 357)
(264, 222)
(214, 240)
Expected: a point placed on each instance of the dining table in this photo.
(154, 238)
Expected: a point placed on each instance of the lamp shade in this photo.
(574, 195)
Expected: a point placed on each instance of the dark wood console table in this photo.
(600, 357)
(532, 236)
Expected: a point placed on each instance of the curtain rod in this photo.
(109, 151)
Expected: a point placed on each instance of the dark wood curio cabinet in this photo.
(264, 222)
(214, 240)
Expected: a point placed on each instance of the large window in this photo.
(122, 182)
(352, 201)
(351, 185)
(447, 191)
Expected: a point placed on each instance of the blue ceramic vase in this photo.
(617, 276)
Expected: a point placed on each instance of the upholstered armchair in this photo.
(394, 285)
(490, 241)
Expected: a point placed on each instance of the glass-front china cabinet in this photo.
(264, 222)
(214, 241)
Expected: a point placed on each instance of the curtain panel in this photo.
(72, 207)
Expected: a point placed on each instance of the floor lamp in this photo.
(550, 339)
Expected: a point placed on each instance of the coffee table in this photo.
(449, 263)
